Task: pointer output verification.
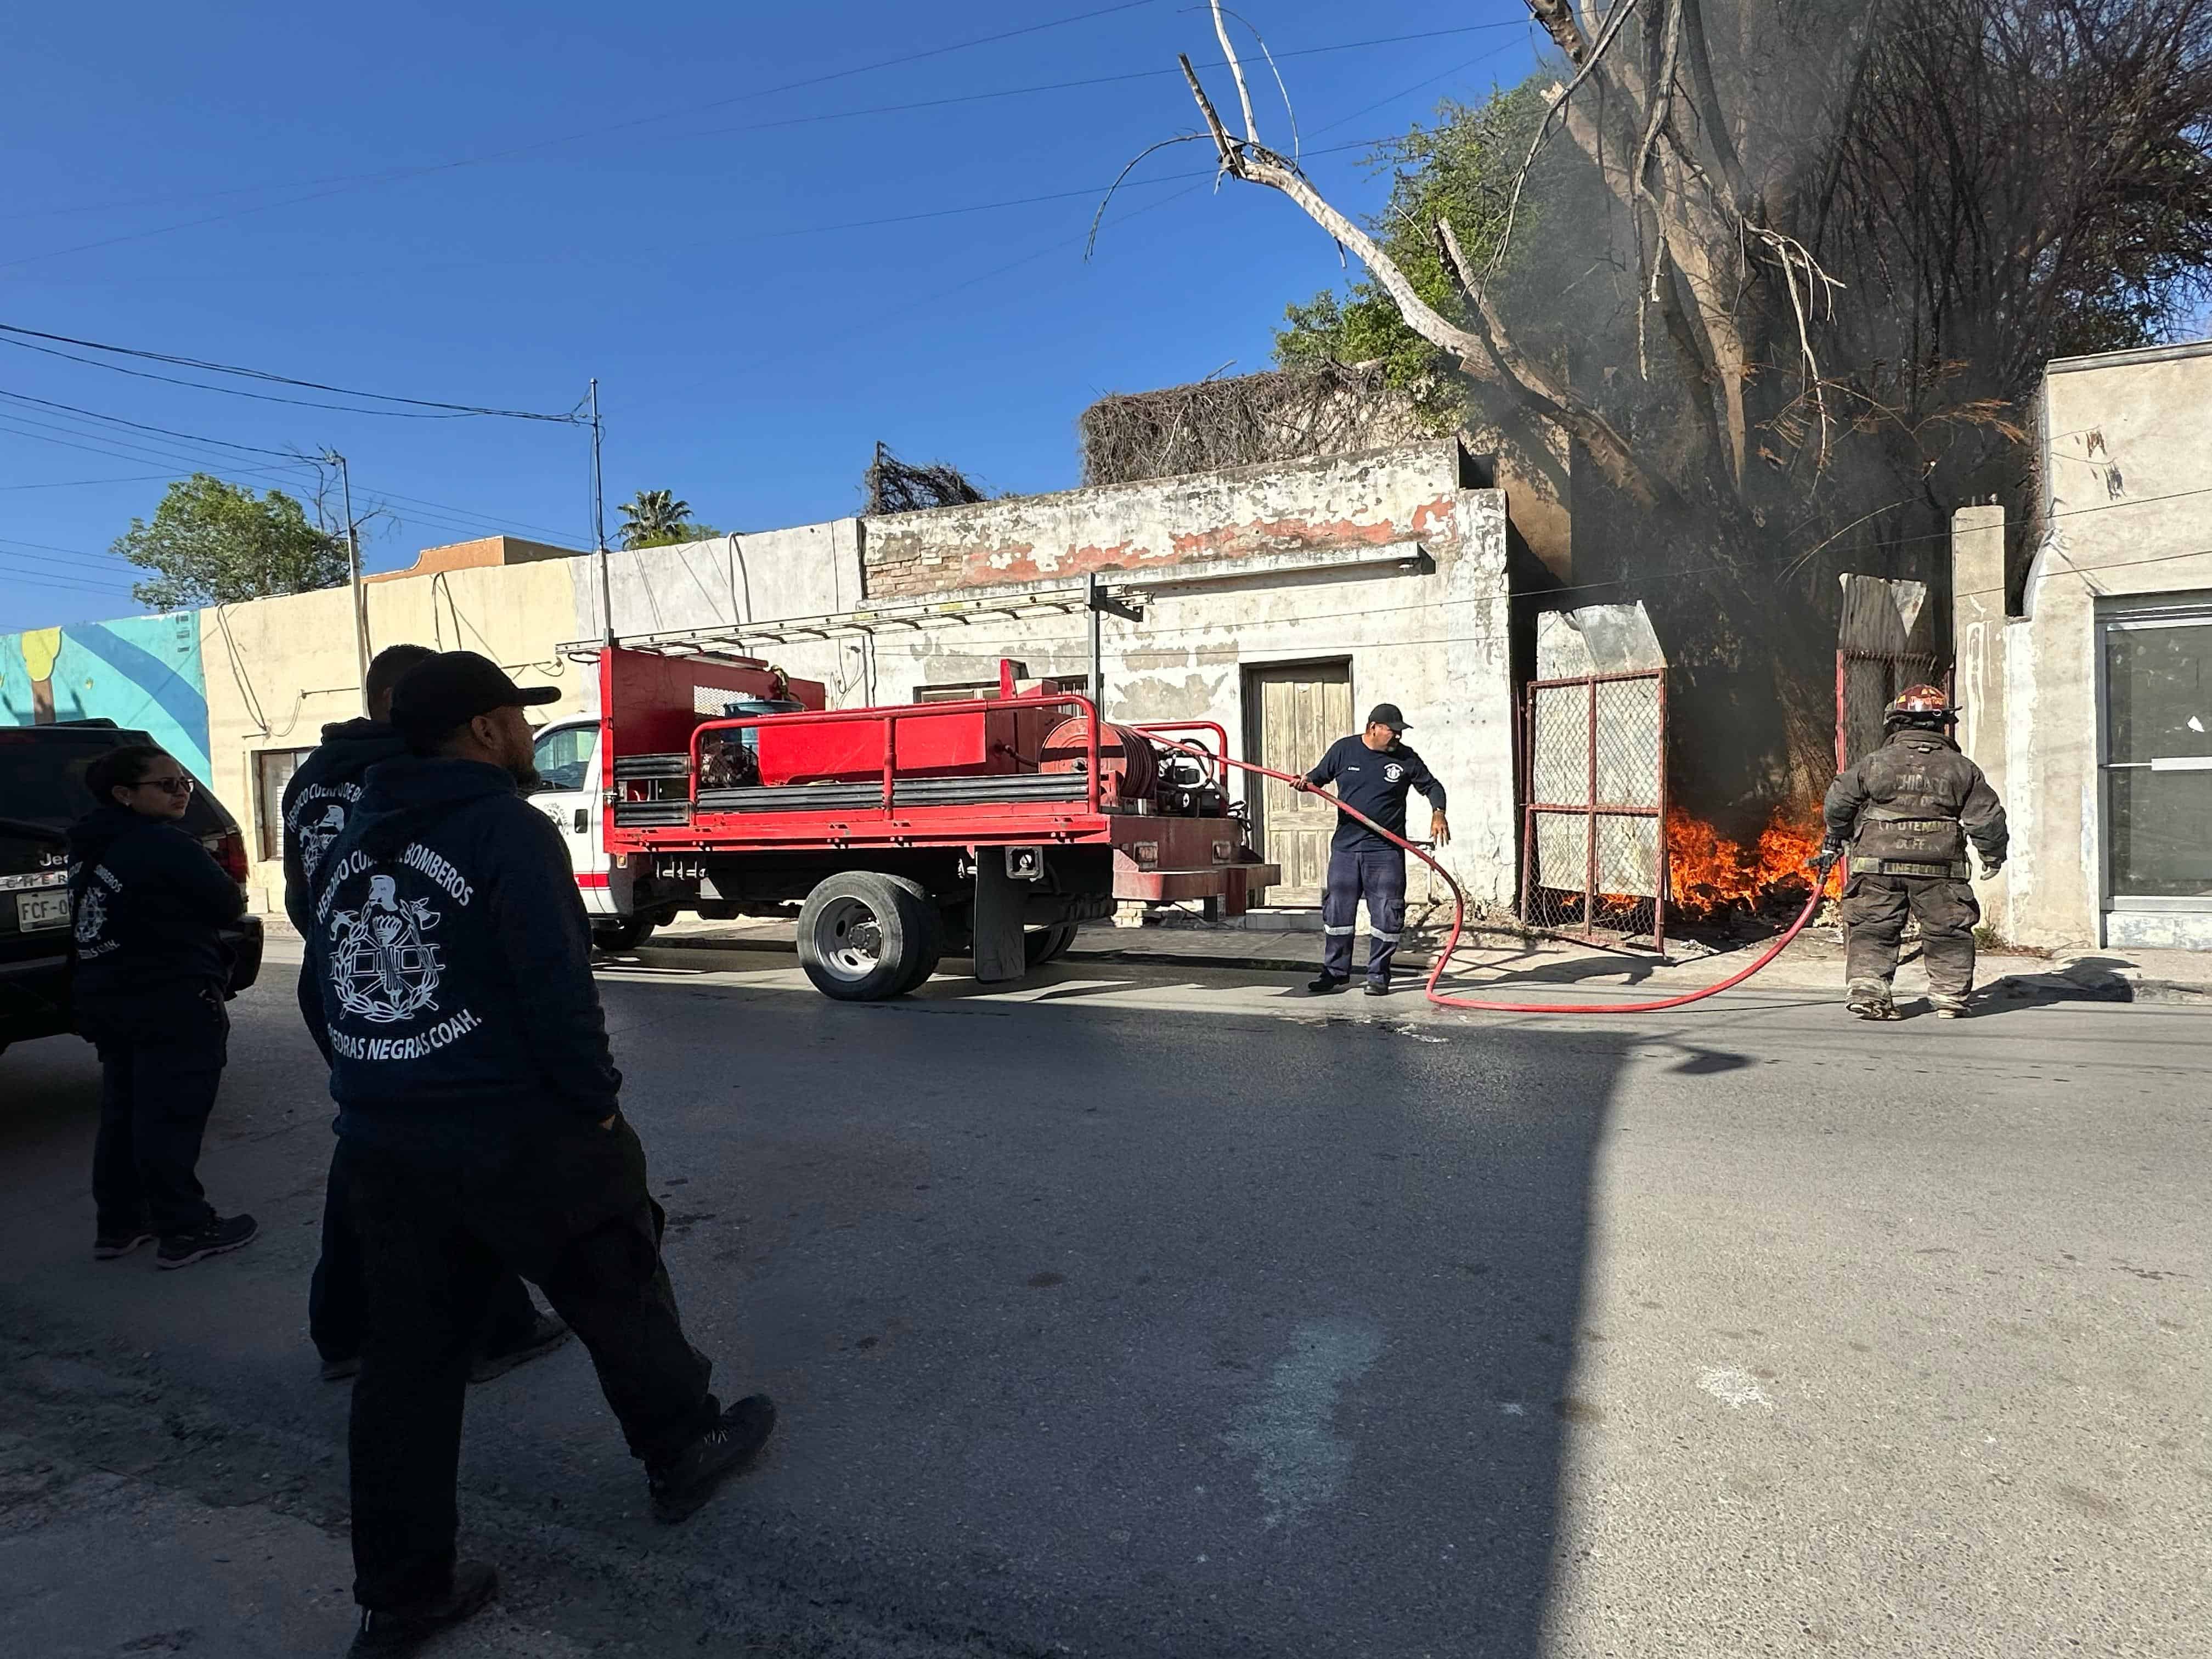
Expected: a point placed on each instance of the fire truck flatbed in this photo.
(990, 827)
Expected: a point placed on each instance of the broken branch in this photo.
(1237, 70)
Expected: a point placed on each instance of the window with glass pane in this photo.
(2158, 757)
(272, 770)
(564, 754)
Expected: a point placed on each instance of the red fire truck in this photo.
(989, 827)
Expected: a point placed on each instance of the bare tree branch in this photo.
(1588, 66)
(1258, 41)
(1661, 104)
(1237, 70)
(1558, 17)
(1092, 240)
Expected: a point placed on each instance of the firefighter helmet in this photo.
(1921, 704)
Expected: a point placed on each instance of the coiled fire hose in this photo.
(1459, 915)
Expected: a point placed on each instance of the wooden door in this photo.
(1292, 713)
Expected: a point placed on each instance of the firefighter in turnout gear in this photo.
(1904, 814)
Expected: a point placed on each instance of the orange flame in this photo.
(1707, 873)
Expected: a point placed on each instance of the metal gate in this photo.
(1593, 783)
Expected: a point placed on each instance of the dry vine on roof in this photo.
(892, 485)
(1319, 409)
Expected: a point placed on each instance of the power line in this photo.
(139, 450)
(72, 551)
(79, 483)
(139, 426)
(453, 411)
(996, 94)
(340, 186)
(463, 518)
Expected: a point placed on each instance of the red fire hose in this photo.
(1458, 918)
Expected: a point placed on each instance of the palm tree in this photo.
(654, 518)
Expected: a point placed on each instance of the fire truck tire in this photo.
(621, 933)
(1043, 944)
(933, 933)
(863, 936)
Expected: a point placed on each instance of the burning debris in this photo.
(1710, 876)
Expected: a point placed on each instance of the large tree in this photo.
(1784, 273)
(216, 543)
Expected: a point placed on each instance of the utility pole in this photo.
(1097, 601)
(599, 522)
(353, 566)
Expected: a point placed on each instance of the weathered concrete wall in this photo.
(1380, 560)
(1370, 499)
(278, 669)
(2127, 458)
(1429, 635)
(1980, 633)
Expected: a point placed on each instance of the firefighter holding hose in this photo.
(1906, 814)
(1373, 770)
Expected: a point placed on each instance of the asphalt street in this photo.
(1147, 1311)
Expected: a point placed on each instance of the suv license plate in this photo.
(36, 910)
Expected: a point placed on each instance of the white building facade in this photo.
(2088, 701)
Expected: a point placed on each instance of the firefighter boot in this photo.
(1948, 1008)
(1869, 1000)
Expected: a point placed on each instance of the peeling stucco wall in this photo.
(1381, 562)
(1427, 633)
(1373, 499)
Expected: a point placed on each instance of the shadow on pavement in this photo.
(1154, 1334)
(1141, 1333)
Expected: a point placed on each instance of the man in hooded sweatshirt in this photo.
(478, 1124)
(317, 802)
(148, 904)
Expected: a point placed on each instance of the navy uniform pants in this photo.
(1378, 875)
(335, 1295)
(162, 1055)
(573, 1212)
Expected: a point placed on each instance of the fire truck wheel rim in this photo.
(848, 938)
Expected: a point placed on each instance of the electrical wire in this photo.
(598, 130)
(331, 184)
(140, 426)
(442, 512)
(20, 336)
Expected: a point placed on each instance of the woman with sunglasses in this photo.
(148, 904)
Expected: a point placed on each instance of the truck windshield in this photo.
(562, 755)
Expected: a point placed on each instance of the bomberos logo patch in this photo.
(315, 837)
(382, 966)
(91, 915)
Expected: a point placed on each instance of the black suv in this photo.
(42, 792)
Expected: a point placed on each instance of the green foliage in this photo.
(654, 518)
(690, 531)
(214, 542)
(1462, 167)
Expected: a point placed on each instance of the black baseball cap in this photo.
(453, 688)
(1386, 713)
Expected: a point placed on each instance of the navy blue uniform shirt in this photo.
(1375, 781)
(148, 903)
(453, 959)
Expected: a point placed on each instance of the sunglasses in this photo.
(172, 786)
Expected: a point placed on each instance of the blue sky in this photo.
(489, 204)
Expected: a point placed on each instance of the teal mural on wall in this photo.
(139, 671)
